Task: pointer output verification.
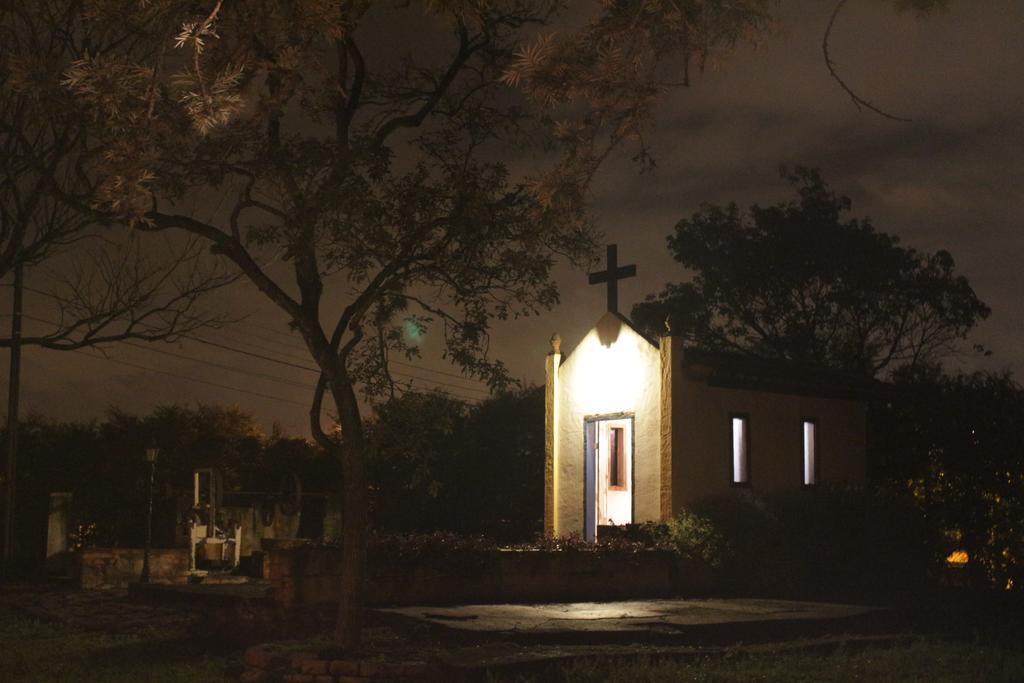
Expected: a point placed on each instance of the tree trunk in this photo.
(349, 624)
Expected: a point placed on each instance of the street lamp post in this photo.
(151, 454)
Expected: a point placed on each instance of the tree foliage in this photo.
(438, 463)
(802, 281)
(38, 136)
(376, 170)
(101, 287)
(956, 443)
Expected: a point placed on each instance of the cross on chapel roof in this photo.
(612, 274)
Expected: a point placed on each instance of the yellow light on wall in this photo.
(614, 375)
(957, 558)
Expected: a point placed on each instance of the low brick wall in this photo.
(264, 665)
(104, 568)
(306, 575)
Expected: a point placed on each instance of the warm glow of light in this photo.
(615, 375)
(958, 558)
(615, 505)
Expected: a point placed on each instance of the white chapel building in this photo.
(639, 428)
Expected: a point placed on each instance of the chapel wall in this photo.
(612, 370)
(702, 439)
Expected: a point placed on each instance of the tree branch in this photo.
(348, 50)
(467, 47)
(232, 249)
(858, 101)
(130, 301)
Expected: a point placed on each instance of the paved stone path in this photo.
(650, 616)
(521, 638)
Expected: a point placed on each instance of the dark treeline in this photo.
(436, 463)
(102, 464)
(950, 447)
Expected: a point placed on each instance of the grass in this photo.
(927, 660)
(35, 651)
(31, 650)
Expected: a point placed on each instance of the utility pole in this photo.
(12, 419)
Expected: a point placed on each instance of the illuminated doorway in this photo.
(608, 475)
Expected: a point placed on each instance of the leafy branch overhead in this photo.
(101, 288)
(378, 167)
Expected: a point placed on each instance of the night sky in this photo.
(950, 179)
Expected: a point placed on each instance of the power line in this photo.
(308, 368)
(278, 361)
(485, 392)
(250, 373)
(190, 379)
(296, 346)
(220, 366)
(439, 372)
(405, 390)
(253, 354)
(293, 344)
(97, 356)
(234, 339)
(288, 335)
(419, 368)
(394, 362)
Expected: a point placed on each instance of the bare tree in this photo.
(110, 289)
(112, 293)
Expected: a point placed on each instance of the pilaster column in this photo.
(551, 402)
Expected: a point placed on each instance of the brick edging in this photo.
(264, 666)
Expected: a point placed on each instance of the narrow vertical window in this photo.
(617, 458)
(740, 450)
(810, 452)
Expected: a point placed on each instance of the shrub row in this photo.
(825, 541)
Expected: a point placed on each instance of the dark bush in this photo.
(627, 538)
(695, 537)
(955, 443)
(860, 539)
(815, 542)
(437, 463)
(436, 550)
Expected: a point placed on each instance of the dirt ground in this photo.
(105, 611)
(523, 637)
